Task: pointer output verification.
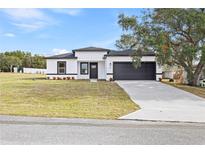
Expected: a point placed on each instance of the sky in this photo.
(56, 31)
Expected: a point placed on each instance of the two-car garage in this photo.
(126, 71)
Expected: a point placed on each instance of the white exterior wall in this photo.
(105, 66)
(158, 71)
(51, 66)
(71, 68)
(111, 59)
(101, 71)
(90, 56)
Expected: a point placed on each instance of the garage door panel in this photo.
(126, 71)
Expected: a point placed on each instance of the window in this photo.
(61, 69)
(84, 68)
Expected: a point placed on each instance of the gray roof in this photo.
(91, 49)
(63, 56)
(110, 53)
(127, 53)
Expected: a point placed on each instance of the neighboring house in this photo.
(102, 64)
(178, 74)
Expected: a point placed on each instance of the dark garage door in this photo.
(126, 71)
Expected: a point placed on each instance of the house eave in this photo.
(61, 58)
(127, 55)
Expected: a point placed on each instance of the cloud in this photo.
(9, 34)
(19, 14)
(30, 26)
(71, 12)
(59, 51)
(28, 19)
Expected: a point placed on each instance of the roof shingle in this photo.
(91, 49)
(110, 53)
(127, 53)
(63, 56)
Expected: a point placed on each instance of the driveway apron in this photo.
(162, 102)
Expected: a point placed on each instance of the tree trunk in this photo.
(190, 76)
(195, 79)
(196, 75)
(11, 68)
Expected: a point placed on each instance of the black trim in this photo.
(81, 73)
(59, 58)
(159, 73)
(126, 55)
(62, 74)
(109, 73)
(58, 66)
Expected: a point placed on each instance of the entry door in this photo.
(93, 70)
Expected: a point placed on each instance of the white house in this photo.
(102, 64)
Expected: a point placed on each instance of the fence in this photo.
(34, 70)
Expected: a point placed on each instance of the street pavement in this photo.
(36, 130)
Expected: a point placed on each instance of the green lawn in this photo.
(199, 91)
(21, 95)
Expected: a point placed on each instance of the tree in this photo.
(20, 59)
(27, 60)
(8, 62)
(177, 36)
(38, 62)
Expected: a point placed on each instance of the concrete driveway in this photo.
(162, 102)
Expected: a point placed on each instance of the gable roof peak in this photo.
(91, 48)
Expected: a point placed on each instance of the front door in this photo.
(93, 70)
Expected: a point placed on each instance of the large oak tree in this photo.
(176, 35)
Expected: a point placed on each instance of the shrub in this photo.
(111, 79)
(160, 79)
(68, 78)
(73, 78)
(54, 78)
(64, 78)
(59, 78)
(171, 80)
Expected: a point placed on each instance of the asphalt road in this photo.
(18, 130)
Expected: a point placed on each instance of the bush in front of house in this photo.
(171, 80)
(59, 78)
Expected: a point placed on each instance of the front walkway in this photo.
(162, 102)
